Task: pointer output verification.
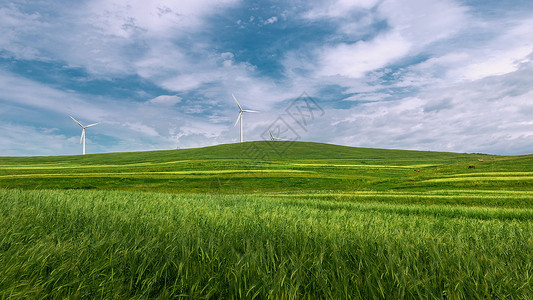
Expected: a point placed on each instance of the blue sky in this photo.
(436, 75)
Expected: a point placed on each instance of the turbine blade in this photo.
(247, 110)
(82, 135)
(76, 121)
(238, 118)
(271, 136)
(240, 108)
(92, 124)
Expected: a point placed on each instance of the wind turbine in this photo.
(241, 111)
(82, 139)
(272, 138)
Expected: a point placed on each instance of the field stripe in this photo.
(445, 194)
(92, 166)
(458, 179)
(492, 174)
(153, 173)
(367, 166)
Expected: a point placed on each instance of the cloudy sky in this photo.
(441, 75)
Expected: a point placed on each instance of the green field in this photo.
(269, 167)
(267, 220)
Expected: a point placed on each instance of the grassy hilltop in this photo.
(263, 220)
(268, 167)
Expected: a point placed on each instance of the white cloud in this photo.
(271, 20)
(228, 59)
(187, 81)
(166, 100)
(492, 115)
(502, 55)
(162, 17)
(338, 8)
(413, 25)
(422, 22)
(17, 140)
(16, 28)
(368, 97)
(495, 64)
(142, 128)
(354, 60)
(161, 59)
(24, 92)
(104, 37)
(227, 55)
(506, 52)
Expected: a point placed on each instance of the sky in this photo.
(437, 75)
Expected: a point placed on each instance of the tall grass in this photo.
(494, 200)
(103, 244)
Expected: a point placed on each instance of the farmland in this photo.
(266, 220)
(268, 167)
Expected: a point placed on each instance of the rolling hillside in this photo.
(263, 167)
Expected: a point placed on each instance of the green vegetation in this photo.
(105, 244)
(267, 220)
(266, 167)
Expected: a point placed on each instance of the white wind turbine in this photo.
(82, 139)
(241, 111)
(272, 137)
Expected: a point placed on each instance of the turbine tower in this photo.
(241, 111)
(82, 139)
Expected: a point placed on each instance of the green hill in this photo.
(274, 150)
(269, 167)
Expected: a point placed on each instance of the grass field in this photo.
(267, 167)
(267, 220)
